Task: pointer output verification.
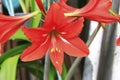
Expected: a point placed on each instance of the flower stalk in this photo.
(46, 67)
(112, 12)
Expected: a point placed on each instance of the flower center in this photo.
(53, 33)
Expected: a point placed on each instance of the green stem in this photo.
(77, 60)
(93, 35)
(23, 6)
(27, 4)
(46, 67)
(112, 12)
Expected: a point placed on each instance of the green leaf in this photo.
(8, 68)
(36, 19)
(64, 72)
(52, 74)
(12, 52)
(19, 35)
(23, 6)
(27, 4)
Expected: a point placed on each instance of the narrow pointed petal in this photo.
(106, 18)
(41, 6)
(75, 47)
(35, 51)
(118, 42)
(38, 35)
(73, 29)
(52, 17)
(57, 58)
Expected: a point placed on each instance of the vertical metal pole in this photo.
(107, 49)
(116, 62)
(0, 7)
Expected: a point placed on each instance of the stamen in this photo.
(52, 50)
(57, 49)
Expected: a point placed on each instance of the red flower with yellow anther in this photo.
(56, 36)
(97, 10)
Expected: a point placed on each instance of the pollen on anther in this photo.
(52, 50)
(57, 49)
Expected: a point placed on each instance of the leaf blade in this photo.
(8, 68)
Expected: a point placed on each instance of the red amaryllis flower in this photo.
(10, 24)
(118, 42)
(55, 36)
(96, 10)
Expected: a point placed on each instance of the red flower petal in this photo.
(106, 18)
(9, 25)
(75, 47)
(99, 7)
(57, 57)
(38, 35)
(118, 42)
(73, 29)
(35, 51)
(106, 3)
(54, 18)
(6, 32)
